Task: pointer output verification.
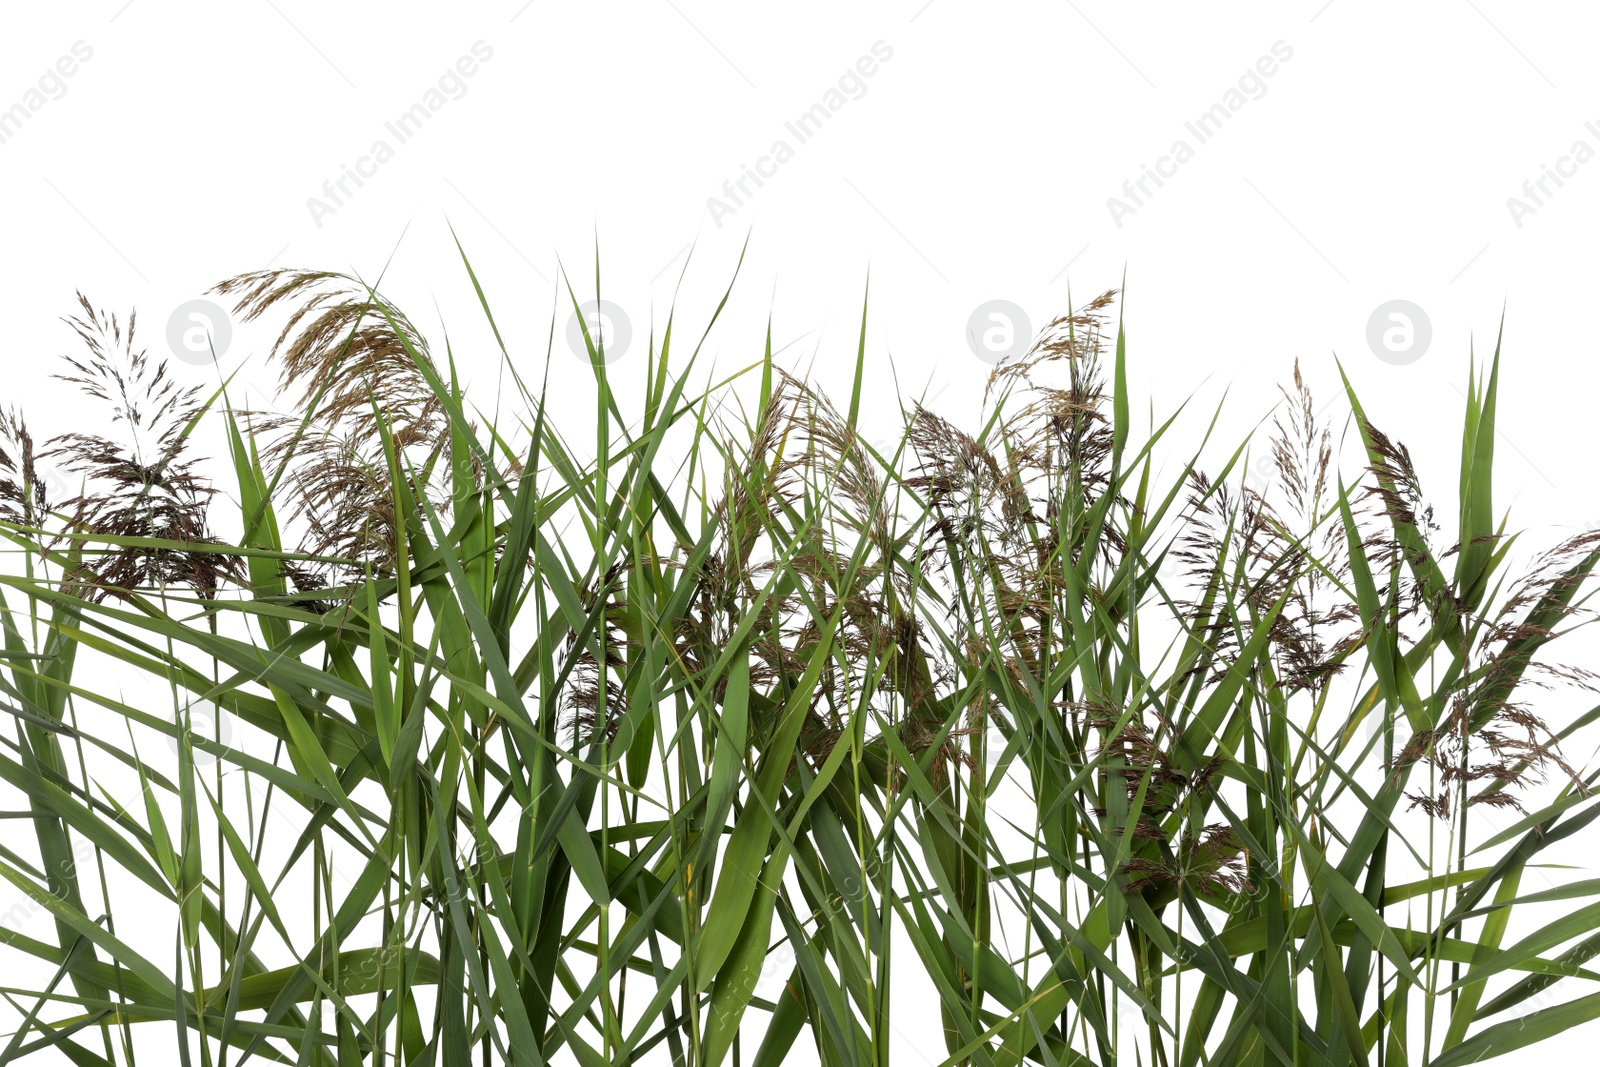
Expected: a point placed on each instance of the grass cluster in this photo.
(404, 734)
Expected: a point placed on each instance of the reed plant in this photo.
(402, 734)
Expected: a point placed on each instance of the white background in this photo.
(1376, 165)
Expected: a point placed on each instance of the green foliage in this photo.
(545, 758)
